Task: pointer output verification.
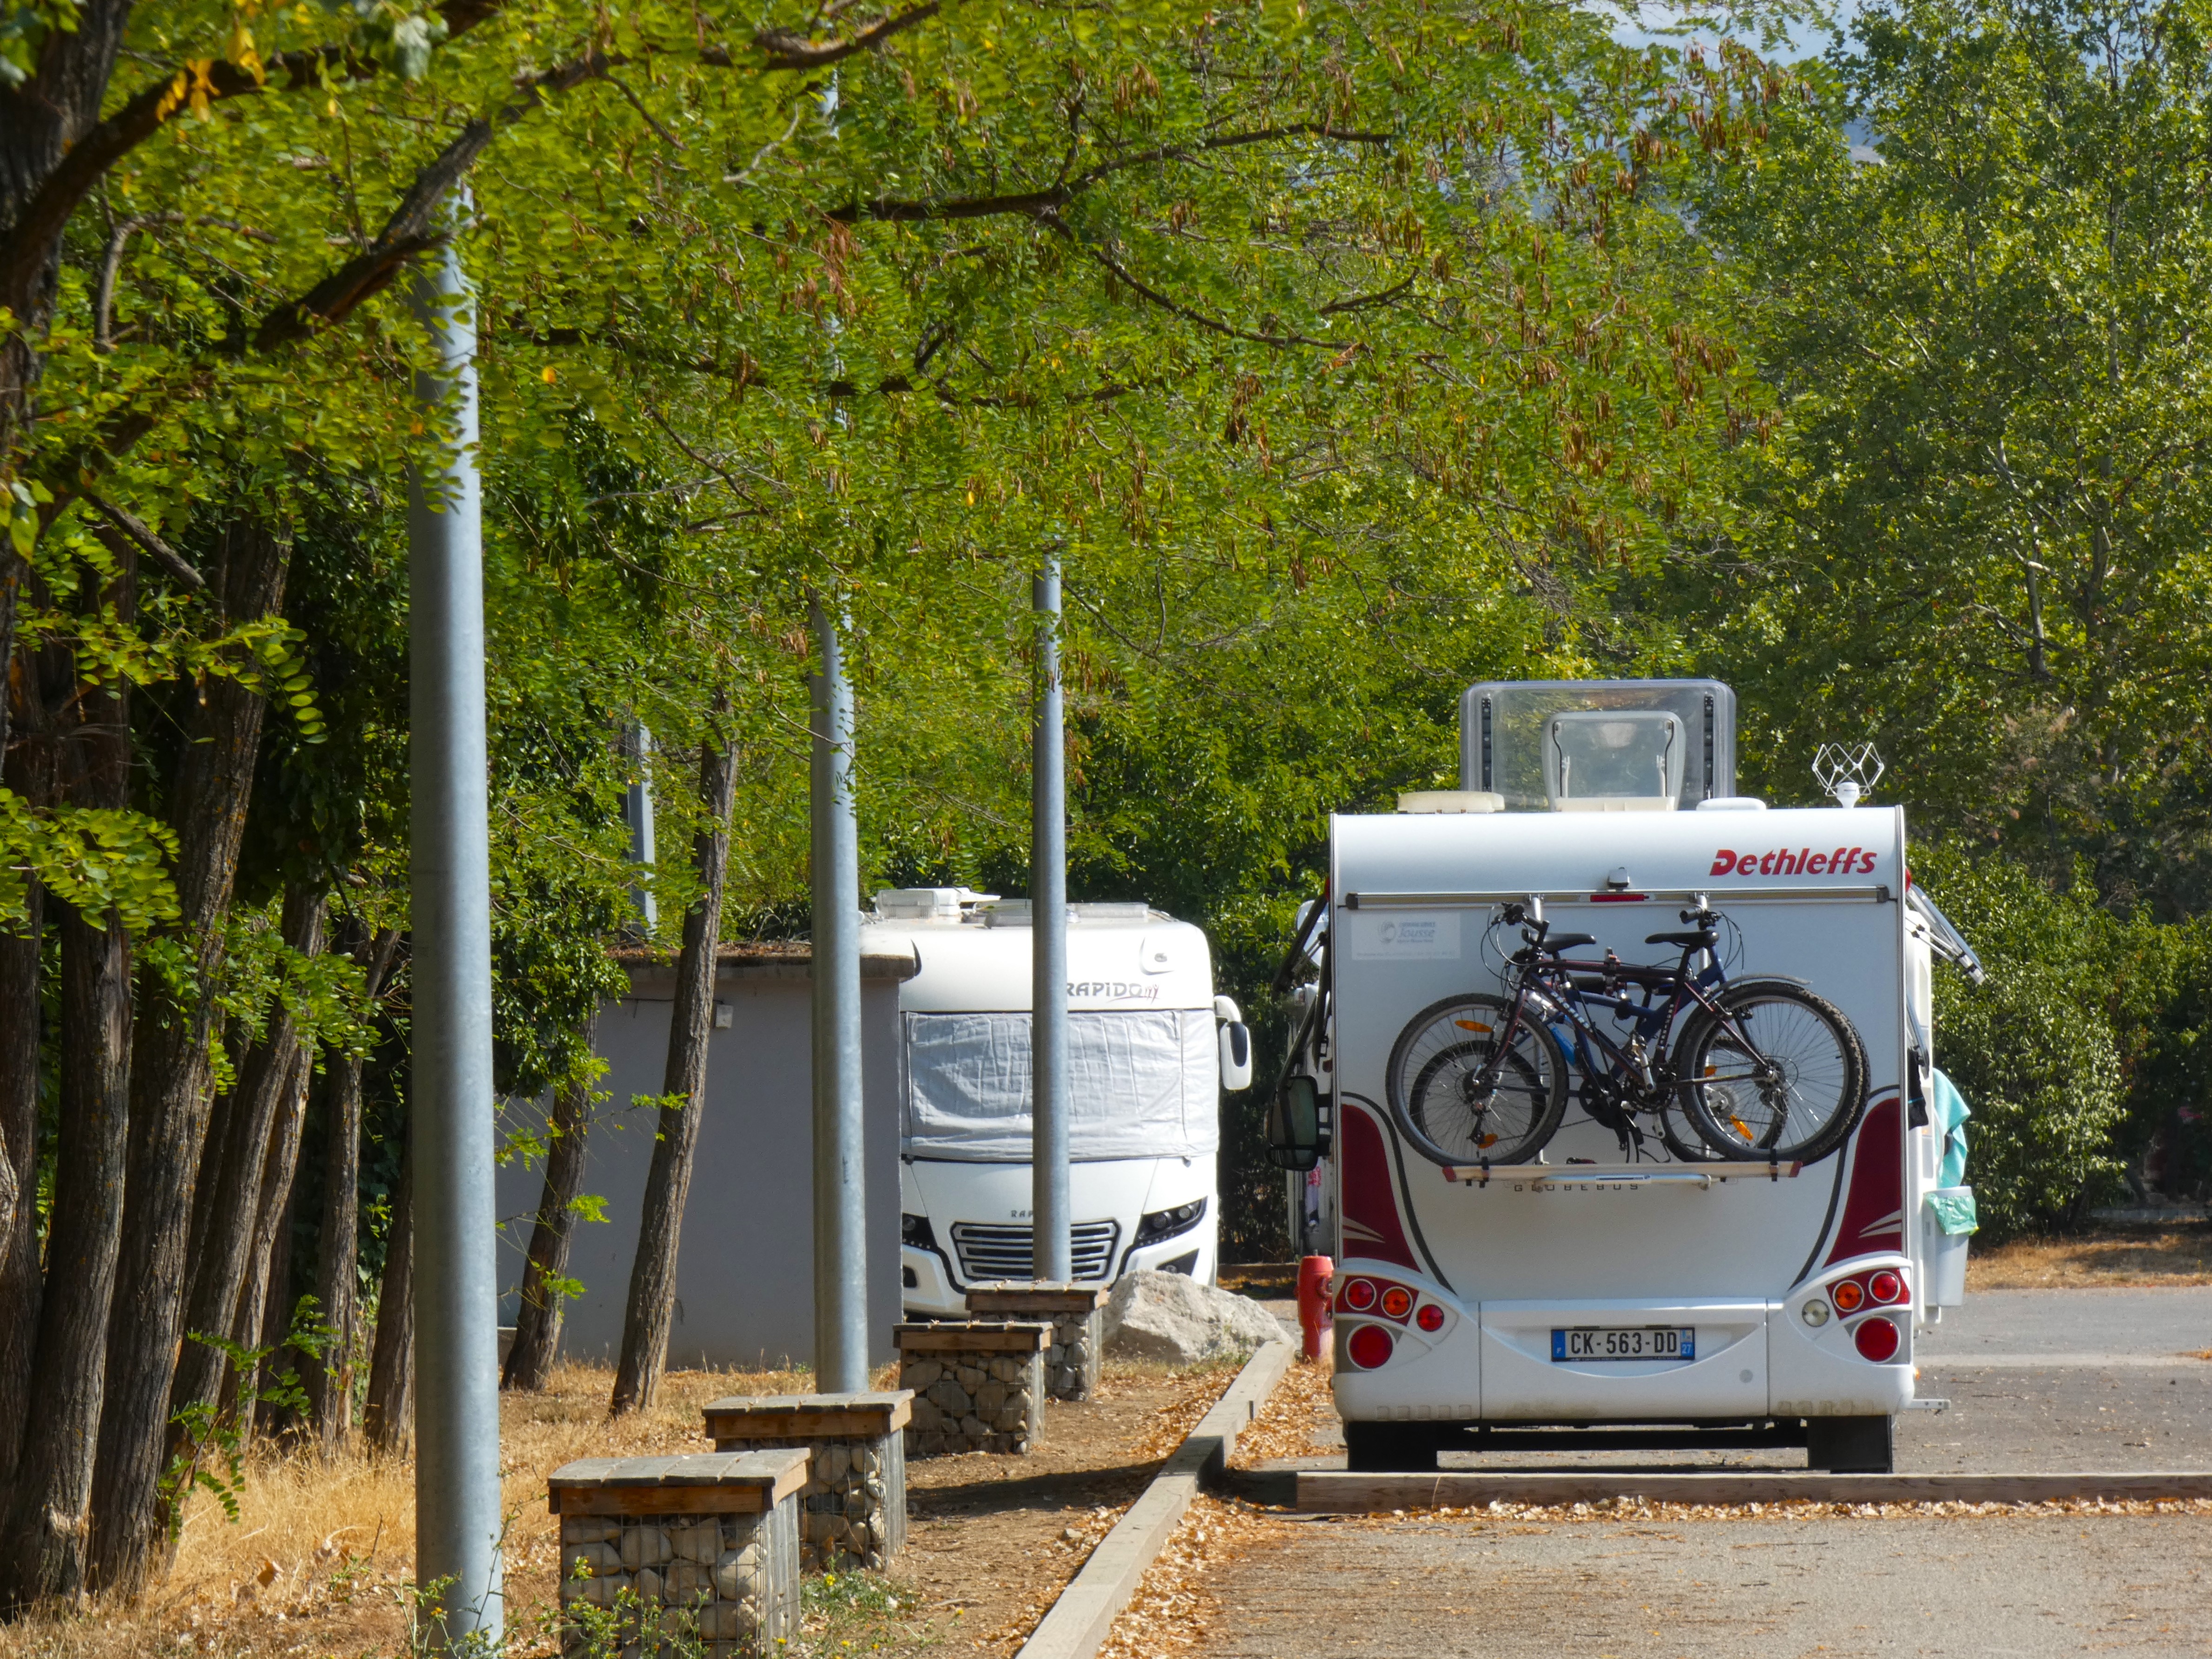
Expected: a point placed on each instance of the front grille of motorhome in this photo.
(988, 1252)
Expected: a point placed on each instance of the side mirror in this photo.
(1296, 1140)
(1236, 1040)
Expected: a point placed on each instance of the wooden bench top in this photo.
(1044, 1295)
(974, 1336)
(699, 1483)
(809, 1416)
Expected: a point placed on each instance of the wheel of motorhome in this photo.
(1441, 1101)
(1781, 1075)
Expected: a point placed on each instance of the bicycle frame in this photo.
(1552, 978)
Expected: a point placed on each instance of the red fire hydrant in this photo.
(1316, 1319)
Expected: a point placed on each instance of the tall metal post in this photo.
(841, 1260)
(457, 1509)
(1054, 1255)
(638, 809)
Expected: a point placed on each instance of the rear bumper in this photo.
(1759, 1368)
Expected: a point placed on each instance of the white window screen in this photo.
(1140, 1085)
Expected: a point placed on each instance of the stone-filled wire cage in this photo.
(853, 1509)
(978, 1384)
(675, 1555)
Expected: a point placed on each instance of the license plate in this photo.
(1582, 1343)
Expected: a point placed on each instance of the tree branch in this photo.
(788, 49)
(24, 245)
(167, 556)
(1121, 274)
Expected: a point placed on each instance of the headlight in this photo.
(1166, 1224)
(914, 1230)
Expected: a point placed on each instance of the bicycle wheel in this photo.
(1434, 1084)
(1782, 1077)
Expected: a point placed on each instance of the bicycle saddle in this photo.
(1687, 941)
(1568, 941)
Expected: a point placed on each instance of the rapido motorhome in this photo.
(1624, 1284)
(1150, 1048)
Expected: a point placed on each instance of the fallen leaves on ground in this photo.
(1300, 1407)
(2179, 1256)
(1173, 1608)
(1629, 1507)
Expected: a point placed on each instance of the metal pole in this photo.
(840, 1262)
(1054, 1255)
(457, 1508)
(639, 810)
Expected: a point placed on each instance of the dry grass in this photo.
(321, 1559)
(2181, 1255)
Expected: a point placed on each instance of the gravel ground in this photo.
(1979, 1586)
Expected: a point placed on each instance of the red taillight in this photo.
(1847, 1296)
(1368, 1346)
(1886, 1286)
(1430, 1317)
(1875, 1340)
(1359, 1295)
(1397, 1301)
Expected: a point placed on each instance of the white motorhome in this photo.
(1626, 1283)
(1150, 1048)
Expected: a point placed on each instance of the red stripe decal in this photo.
(1368, 1202)
(1874, 1204)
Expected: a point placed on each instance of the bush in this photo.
(2045, 1051)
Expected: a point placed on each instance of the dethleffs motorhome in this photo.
(1150, 1048)
(1628, 1282)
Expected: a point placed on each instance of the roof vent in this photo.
(928, 903)
(1451, 800)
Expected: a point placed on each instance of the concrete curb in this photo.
(1332, 1491)
(1078, 1622)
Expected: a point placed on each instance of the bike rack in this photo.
(1703, 1176)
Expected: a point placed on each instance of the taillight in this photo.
(1847, 1296)
(1368, 1346)
(1430, 1317)
(1397, 1301)
(1876, 1340)
(1886, 1286)
(1359, 1295)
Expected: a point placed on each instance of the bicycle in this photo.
(1762, 1069)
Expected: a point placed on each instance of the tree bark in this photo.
(329, 1379)
(538, 1325)
(668, 1183)
(21, 1022)
(44, 1553)
(388, 1416)
(40, 120)
(266, 1307)
(239, 1168)
(173, 1079)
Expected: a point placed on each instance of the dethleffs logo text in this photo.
(1844, 861)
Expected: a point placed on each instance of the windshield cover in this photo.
(1140, 1084)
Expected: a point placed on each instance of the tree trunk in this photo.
(388, 1416)
(329, 1379)
(239, 1168)
(44, 1553)
(266, 1306)
(41, 118)
(538, 1325)
(21, 1023)
(173, 1080)
(691, 1021)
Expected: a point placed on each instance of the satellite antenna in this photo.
(1848, 772)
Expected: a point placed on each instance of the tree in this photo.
(652, 1300)
(1980, 525)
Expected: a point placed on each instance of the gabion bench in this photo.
(853, 1509)
(703, 1546)
(1071, 1359)
(978, 1384)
